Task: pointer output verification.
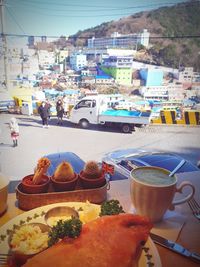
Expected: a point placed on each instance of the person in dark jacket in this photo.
(43, 111)
(49, 108)
(60, 111)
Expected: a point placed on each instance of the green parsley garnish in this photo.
(69, 228)
(111, 207)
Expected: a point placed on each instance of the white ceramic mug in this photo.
(4, 181)
(152, 191)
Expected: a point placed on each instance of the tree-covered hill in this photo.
(174, 33)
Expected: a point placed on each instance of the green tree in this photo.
(168, 54)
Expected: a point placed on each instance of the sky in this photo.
(67, 17)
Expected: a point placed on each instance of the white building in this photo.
(117, 61)
(104, 80)
(165, 92)
(46, 58)
(186, 75)
(120, 40)
(196, 77)
(78, 61)
(143, 38)
(120, 52)
(141, 65)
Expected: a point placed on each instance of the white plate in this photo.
(149, 256)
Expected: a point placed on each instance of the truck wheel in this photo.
(126, 128)
(84, 124)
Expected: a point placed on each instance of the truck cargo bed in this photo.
(125, 116)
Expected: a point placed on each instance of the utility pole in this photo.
(4, 46)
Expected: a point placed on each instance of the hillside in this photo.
(174, 22)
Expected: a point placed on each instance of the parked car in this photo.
(76, 162)
(118, 164)
(123, 161)
(56, 158)
(7, 105)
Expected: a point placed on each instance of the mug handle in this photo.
(179, 190)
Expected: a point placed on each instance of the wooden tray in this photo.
(31, 201)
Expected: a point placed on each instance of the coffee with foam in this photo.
(154, 177)
(152, 191)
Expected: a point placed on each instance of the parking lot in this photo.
(35, 141)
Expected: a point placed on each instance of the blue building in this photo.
(152, 77)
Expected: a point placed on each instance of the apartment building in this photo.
(104, 79)
(120, 68)
(186, 75)
(196, 77)
(45, 58)
(91, 71)
(165, 92)
(78, 61)
(120, 40)
(61, 55)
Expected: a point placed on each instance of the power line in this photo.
(82, 16)
(106, 37)
(9, 11)
(66, 15)
(108, 9)
(100, 6)
(75, 10)
(176, 37)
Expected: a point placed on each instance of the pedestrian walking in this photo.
(49, 108)
(14, 130)
(60, 111)
(43, 111)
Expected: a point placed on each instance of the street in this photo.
(35, 141)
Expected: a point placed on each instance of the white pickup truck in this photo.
(95, 110)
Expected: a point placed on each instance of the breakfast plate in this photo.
(87, 211)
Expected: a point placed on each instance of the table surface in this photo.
(187, 237)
